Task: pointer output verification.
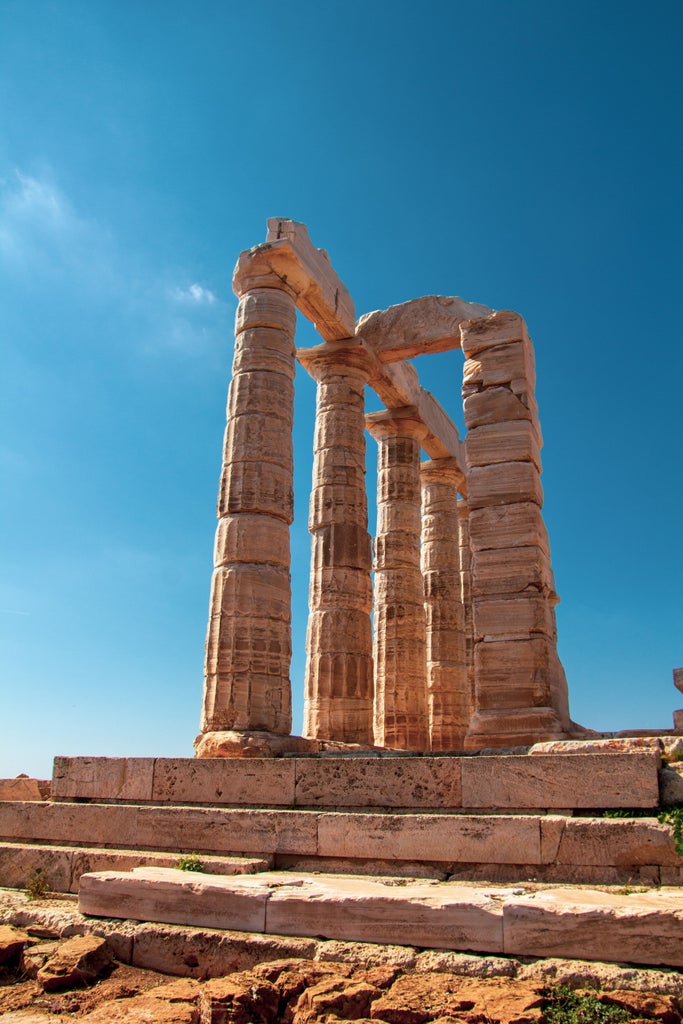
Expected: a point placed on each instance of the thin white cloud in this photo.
(41, 233)
(195, 294)
(45, 240)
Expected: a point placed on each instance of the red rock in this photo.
(242, 998)
(342, 997)
(12, 942)
(79, 959)
(647, 1005)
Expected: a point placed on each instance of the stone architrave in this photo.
(338, 699)
(248, 648)
(448, 695)
(401, 715)
(520, 689)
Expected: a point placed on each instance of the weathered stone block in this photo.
(264, 350)
(624, 842)
(20, 862)
(21, 788)
(269, 394)
(340, 630)
(175, 897)
(341, 545)
(500, 328)
(264, 433)
(224, 781)
(501, 365)
(245, 538)
(513, 673)
(183, 951)
(266, 307)
(448, 838)
(642, 928)
(516, 441)
(335, 503)
(378, 782)
(370, 911)
(103, 778)
(257, 486)
(507, 483)
(564, 781)
(516, 617)
(494, 405)
(511, 571)
(507, 526)
(341, 588)
(261, 592)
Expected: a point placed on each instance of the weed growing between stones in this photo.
(190, 862)
(561, 1005)
(38, 887)
(673, 816)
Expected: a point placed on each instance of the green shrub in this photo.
(190, 862)
(38, 886)
(564, 1006)
(674, 816)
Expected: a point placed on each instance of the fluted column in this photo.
(401, 719)
(465, 564)
(339, 677)
(248, 647)
(448, 696)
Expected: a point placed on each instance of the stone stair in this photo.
(639, 927)
(495, 818)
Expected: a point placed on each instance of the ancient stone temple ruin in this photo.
(464, 649)
(447, 651)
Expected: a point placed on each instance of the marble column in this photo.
(448, 696)
(338, 701)
(465, 565)
(248, 649)
(401, 717)
(521, 690)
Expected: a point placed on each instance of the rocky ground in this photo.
(45, 979)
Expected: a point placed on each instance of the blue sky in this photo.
(526, 155)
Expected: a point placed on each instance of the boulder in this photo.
(417, 999)
(78, 960)
(12, 942)
(241, 998)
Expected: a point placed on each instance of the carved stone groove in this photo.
(401, 714)
(338, 694)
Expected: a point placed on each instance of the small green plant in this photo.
(561, 1005)
(38, 886)
(629, 812)
(674, 816)
(190, 862)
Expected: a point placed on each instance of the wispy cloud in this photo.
(46, 240)
(196, 295)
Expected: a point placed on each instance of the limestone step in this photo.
(62, 866)
(503, 846)
(451, 783)
(637, 927)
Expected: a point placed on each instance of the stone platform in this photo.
(361, 782)
(637, 927)
(495, 818)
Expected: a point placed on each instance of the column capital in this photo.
(256, 268)
(403, 422)
(346, 357)
(442, 471)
